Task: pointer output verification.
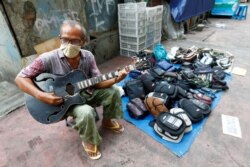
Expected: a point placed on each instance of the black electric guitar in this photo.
(68, 86)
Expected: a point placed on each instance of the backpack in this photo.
(194, 113)
(134, 88)
(148, 82)
(155, 103)
(170, 127)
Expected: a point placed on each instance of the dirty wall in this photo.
(35, 21)
(10, 61)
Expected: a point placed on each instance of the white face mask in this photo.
(69, 50)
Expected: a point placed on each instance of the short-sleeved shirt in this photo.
(55, 62)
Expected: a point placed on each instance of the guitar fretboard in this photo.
(95, 80)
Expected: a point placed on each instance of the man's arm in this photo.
(27, 86)
(25, 83)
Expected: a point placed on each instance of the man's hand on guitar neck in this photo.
(122, 74)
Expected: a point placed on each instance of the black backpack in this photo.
(169, 127)
(134, 88)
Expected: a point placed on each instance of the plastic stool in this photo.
(241, 12)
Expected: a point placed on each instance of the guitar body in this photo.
(63, 86)
(68, 87)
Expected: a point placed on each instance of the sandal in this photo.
(92, 154)
(116, 127)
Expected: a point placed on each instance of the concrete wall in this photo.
(35, 21)
(101, 15)
(10, 60)
(105, 46)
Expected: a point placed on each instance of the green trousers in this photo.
(84, 115)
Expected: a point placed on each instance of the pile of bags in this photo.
(176, 90)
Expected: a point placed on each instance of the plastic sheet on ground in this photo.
(179, 149)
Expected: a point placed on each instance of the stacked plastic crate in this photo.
(150, 28)
(132, 27)
(158, 24)
(154, 26)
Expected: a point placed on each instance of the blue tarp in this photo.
(184, 9)
(178, 149)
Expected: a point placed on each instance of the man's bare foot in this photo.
(112, 125)
(92, 150)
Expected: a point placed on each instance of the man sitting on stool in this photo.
(61, 61)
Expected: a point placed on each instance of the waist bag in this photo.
(134, 88)
(167, 89)
(137, 109)
(205, 108)
(169, 127)
(165, 65)
(155, 103)
(218, 73)
(172, 91)
(194, 113)
(157, 72)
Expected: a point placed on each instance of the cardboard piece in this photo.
(47, 46)
(231, 125)
(239, 71)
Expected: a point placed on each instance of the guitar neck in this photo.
(95, 80)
